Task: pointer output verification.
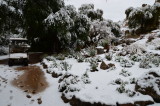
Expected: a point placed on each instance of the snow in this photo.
(113, 9)
(18, 55)
(10, 95)
(97, 87)
(18, 39)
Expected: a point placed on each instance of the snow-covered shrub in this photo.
(88, 9)
(121, 89)
(4, 50)
(80, 57)
(91, 51)
(126, 63)
(125, 73)
(132, 80)
(118, 58)
(51, 60)
(145, 63)
(104, 42)
(85, 78)
(109, 56)
(62, 21)
(98, 59)
(135, 57)
(65, 66)
(105, 29)
(130, 93)
(119, 81)
(149, 61)
(60, 57)
(70, 84)
(150, 38)
(72, 28)
(143, 19)
(93, 64)
(134, 48)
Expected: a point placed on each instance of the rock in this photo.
(152, 81)
(28, 96)
(105, 66)
(34, 92)
(100, 50)
(44, 66)
(39, 101)
(55, 75)
(107, 47)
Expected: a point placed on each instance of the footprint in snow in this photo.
(11, 91)
(11, 97)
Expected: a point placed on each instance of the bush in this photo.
(135, 57)
(149, 60)
(60, 57)
(91, 51)
(109, 56)
(150, 38)
(121, 89)
(119, 81)
(143, 19)
(126, 63)
(130, 93)
(85, 78)
(80, 57)
(125, 73)
(132, 81)
(4, 50)
(65, 66)
(93, 65)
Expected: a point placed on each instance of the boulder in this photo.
(105, 66)
(100, 50)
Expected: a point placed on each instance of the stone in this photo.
(28, 96)
(100, 50)
(105, 66)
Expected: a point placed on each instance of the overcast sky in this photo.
(113, 9)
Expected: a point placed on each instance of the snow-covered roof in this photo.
(18, 39)
(18, 55)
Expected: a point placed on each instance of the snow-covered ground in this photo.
(85, 85)
(13, 96)
(113, 9)
(101, 87)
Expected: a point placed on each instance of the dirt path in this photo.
(32, 81)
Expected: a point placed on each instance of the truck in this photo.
(18, 51)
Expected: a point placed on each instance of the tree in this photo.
(88, 9)
(34, 14)
(143, 19)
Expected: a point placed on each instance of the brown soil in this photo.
(32, 81)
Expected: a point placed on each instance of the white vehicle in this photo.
(18, 51)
